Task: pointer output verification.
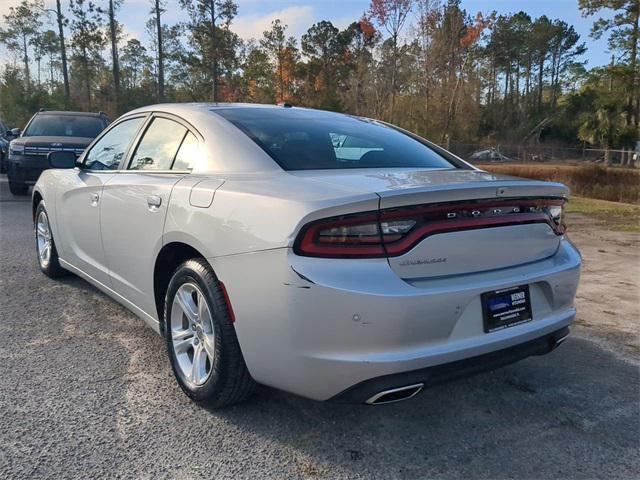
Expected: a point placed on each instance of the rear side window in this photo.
(159, 145)
(187, 154)
(299, 139)
(108, 152)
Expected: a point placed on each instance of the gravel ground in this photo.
(86, 392)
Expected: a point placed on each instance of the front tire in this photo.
(201, 341)
(45, 245)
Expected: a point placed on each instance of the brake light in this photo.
(393, 232)
(342, 237)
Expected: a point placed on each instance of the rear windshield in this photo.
(300, 139)
(64, 126)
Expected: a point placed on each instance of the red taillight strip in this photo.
(402, 212)
(308, 242)
(444, 226)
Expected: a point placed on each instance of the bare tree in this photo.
(392, 15)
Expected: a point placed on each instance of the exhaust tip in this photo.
(395, 394)
(560, 340)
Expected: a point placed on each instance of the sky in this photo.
(255, 16)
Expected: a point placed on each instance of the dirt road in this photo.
(608, 301)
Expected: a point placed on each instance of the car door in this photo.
(78, 202)
(135, 204)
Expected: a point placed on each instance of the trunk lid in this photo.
(498, 242)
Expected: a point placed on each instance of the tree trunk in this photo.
(633, 111)
(63, 51)
(114, 55)
(87, 81)
(393, 76)
(540, 77)
(451, 110)
(25, 58)
(281, 74)
(160, 52)
(214, 54)
(51, 84)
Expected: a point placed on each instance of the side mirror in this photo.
(62, 159)
(14, 132)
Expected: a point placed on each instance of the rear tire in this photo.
(18, 188)
(201, 340)
(45, 245)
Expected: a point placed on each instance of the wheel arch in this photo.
(35, 201)
(169, 257)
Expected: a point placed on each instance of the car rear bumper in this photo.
(370, 390)
(317, 327)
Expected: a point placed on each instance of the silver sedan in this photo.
(327, 255)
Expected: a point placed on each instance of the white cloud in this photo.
(298, 19)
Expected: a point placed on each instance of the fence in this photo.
(479, 153)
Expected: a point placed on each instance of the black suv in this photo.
(49, 131)
(5, 137)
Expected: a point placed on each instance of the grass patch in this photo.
(593, 181)
(620, 216)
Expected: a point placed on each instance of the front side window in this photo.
(159, 145)
(49, 125)
(108, 152)
(300, 139)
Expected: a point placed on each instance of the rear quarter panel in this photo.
(251, 213)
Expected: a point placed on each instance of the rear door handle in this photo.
(154, 202)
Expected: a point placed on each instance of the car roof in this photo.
(210, 107)
(67, 112)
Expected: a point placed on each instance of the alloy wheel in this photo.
(192, 334)
(44, 239)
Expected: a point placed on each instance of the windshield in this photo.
(64, 126)
(299, 139)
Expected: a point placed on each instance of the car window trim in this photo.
(110, 127)
(184, 137)
(167, 116)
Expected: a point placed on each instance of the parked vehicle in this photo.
(261, 254)
(48, 131)
(5, 136)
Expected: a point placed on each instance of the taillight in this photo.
(393, 232)
(556, 212)
(342, 237)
